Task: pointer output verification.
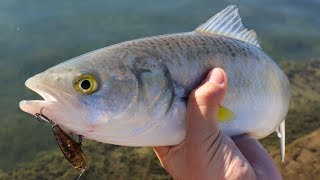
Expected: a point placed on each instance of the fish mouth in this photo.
(50, 96)
(57, 105)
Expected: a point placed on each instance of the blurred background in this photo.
(35, 35)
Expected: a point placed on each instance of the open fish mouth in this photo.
(50, 96)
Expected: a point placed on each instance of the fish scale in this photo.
(199, 50)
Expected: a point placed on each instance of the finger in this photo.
(161, 152)
(203, 105)
(258, 157)
(169, 154)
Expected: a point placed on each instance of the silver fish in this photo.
(134, 93)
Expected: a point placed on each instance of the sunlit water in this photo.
(35, 35)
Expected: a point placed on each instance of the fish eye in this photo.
(86, 83)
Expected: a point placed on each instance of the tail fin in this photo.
(281, 131)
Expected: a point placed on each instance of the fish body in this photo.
(134, 93)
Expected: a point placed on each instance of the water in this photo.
(35, 35)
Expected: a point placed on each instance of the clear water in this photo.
(35, 35)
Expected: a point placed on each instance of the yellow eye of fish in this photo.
(86, 83)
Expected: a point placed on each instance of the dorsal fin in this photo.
(228, 23)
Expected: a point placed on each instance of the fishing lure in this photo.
(69, 147)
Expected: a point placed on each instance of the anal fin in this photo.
(281, 131)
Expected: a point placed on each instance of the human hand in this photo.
(207, 153)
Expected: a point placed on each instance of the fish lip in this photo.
(43, 91)
(49, 94)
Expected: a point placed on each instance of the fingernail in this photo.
(216, 76)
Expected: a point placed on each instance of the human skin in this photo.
(207, 153)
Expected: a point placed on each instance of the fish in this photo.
(69, 147)
(134, 93)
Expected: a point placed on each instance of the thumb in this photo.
(203, 106)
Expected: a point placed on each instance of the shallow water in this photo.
(35, 35)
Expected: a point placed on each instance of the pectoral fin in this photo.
(282, 135)
(225, 114)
